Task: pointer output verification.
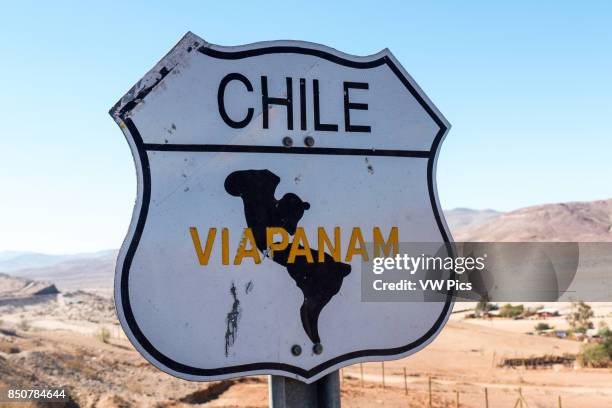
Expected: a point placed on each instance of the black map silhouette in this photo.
(318, 281)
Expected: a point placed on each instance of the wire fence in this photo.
(391, 380)
(432, 386)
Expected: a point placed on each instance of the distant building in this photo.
(547, 312)
(592, 333)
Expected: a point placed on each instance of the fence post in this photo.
(521, 396)
(430, 392)
(405, 382)
(486, 398)
(383, 374)
(456, 398)
(361, 371)
(559, 402)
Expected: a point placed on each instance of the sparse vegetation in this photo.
(103, 335)
(510, 311)
(483, 307)
(595, 355)
(580, 316)
(24, 325)
(540, 327)
(598, 354)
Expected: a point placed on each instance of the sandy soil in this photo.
(463, 358)
(57, 343)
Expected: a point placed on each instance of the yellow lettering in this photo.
(243, 252)
(300, 236)
(352, 250)
(392, 242)
(203, 256)
(276, 246)
(323, 240)
(225, 246)
(299, 246)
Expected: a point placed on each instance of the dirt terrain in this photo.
(71, 338)
(63, 347)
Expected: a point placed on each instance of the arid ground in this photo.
(71, 338)
(59, 342)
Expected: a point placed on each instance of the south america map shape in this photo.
(318, 281)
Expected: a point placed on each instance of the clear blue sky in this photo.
(526, 85)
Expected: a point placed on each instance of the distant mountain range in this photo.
(86, 271)
(568, 222)
(15, 260)
(578, 221)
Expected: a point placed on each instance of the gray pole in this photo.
(289, 393)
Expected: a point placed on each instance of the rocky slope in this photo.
(571, 222)
(12, 287)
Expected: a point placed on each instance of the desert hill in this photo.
(571, 222)
(16, 260)
(12, 287)
(94, 273)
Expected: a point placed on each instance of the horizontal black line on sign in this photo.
(161, 147)
(234, 55)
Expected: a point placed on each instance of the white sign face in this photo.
(263, 172)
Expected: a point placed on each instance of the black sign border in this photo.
(142, 149)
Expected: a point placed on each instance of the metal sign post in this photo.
(289, 393)
(266, 173)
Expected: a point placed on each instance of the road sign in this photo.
(264, 171)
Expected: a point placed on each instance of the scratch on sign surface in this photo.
(369, 165)
(249, 287)
(232, 321)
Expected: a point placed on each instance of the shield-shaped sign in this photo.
(264, 171)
